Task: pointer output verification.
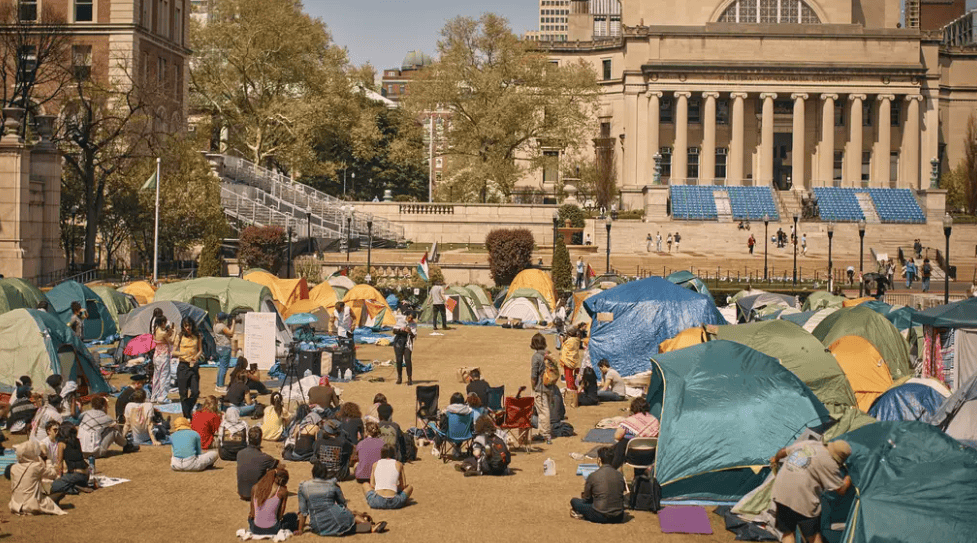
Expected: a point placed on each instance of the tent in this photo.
(37, 344)
(377, 313)
(143, 291)
(537, 280)
(957, 415)
(15, 293)
(822, 300)
(685, 338)
(909, 401)
(527, 306)
(629, 321)
(900, 316)
(460, 306)
(116, 302)
(950, 333)
(489, 311)
(857, 301)
(809, 320)
(284, 291)
(605, 281)
(913, 484)
(99, 323)
(748, 307)
(341, 284)
(865, 323)
(687, 279)
(725, 409)
(867, 372)
(577, 313)
(138, 320)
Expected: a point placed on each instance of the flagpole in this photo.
(156, 229)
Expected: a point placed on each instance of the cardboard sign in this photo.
(259, 339)
(605, 317)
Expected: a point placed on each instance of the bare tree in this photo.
(970, 166)
(605, 182)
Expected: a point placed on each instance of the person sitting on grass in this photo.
(641, 423)
(322, 507)
(136, 382)
(334, 450)
(188, 454)
(27, 494)
(239, 395)
(324, 395)
(252, 464)
(368, 451)
(478, 385)
(391, 434)
(268, 500)
(374, 414)
(351, 420)
(22, 409)
(490, 453)
(602, 500)
(207, 420)
(98, 431)
(276, 418)
(139, 416)
(612, 385)
(70, 463)
(51, 410)
(252, 376)
(588, 384)
(388, 488)
(232, 435)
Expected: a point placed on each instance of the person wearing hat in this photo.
(188, 455)
(137, 381)
(809, 469)
(223, 338)
(331, 449)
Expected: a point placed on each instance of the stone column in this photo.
(735, 171)
(827, 152)
(799, 152)
(630, 138)
(855, 142)
(707, 156)
(654, 131)
(680, 153)
(642, 172)
(910, 142)
(884, 145)
(766, 140)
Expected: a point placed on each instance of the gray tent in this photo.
(136, 323)
(958, 414)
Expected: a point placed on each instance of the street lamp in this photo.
(607, 265)
(861, 257)
(369, 247)
(947, 226)
(556, 220)
(766, 240)
(796, 216)
(831, 235)
(349, 233)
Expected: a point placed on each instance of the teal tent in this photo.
(15, 293)
(725, 409)
(687, 279)
(914, 484)
(900, 316)
(99, 323)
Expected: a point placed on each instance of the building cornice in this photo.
(795, 68)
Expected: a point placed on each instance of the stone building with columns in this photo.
(790, 94)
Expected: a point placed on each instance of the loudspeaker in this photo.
(342, 360)
(309, 360)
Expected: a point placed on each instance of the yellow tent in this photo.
(142, 291)
(537, 280)
(864, 367)
(856, 301)
(685, 338)
(579, 315)
(285, 291)
(323, 295)
(365, 296)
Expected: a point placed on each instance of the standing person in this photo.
(322, 507)
(917, 248)
(602, 500)
(890, 271)
(580, 270)
(543, 375)
(342, 320)
(850, 271)
(188, 453)
(804, 244)
(648, 240)
(252, 464)
(668, 242)
(224, 339)
(268, 500)
(678, 239)
(612, 386)
(388, 488)
(97, 431)
(658, 242)
(405, 332)
(188, 369)
(810, 469)
(77, 321)
(570, 358)
(927, 274)
(163, 336)
(437, 303)
(750, 243)
(910, 273)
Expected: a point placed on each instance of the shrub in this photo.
(210, 263)
(263, 247)
(510, 252)
(572, 213)
(310, 268)
(562, 269)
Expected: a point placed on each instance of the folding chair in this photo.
(495, 395)
(426, 405)
(640, 452)
(460, 433)
(518, 418)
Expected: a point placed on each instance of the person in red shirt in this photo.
(206, 421)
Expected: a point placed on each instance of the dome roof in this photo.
(414, 60)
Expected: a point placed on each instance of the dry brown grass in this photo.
(160, 505)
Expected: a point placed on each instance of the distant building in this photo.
(935, 14)
(554, 19)
(393, 84)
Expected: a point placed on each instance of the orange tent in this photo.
(142, 291)
(365, 296)
(284, 291)
(685, 338)
(856, 301)
(864, 367)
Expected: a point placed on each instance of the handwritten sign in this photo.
(259, 339)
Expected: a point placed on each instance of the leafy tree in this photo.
(961, 182)
(510, 252)
(262, 247)
(562, 269)
(505, 100)
(210, 264)
(605, 180)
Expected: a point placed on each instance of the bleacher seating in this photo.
(693, 202)
(838, 204)
(752, 203)
(896, 206)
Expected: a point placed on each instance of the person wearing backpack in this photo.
(490, 453)
(391, 434)
(544, 375)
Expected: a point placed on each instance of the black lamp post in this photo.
(796, 216)
(831, 235)
(607, 265)
(369, 248)
(766, 240)
(861, 258)
(288, 266)
(349, 233)
(556, 220)
(947, 226)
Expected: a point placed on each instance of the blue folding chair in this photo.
(460, 433)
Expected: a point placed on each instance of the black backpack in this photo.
(496, 456)
(646, 493)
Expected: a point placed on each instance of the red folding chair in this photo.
(518, 419)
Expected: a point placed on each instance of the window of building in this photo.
(605, 129)
(84, 11)
(81, 59)
(866, 167)
(866, 113)
(839, 165)
(145, 67)
(607, 68)
(666, 111)
(693, 166)
(695, 111)
(722, 111)
(895, 112)
(721, 155)
(178, 25)
(551, 166)
(666, 163)
(160, 69)
(28, 10)
(769, 12)
(164, 18)
(839, 115)
(893, 167)
(146, 17)
(401, 89)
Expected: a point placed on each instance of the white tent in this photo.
(526, 310)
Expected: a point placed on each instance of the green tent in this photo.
(463, 312)
(484, 301)
(15, 293)
(117, 302)
(899, 315)
(687, 279)
(37, 344)
(725, 409)
(914, 484)
(99, 324)
(822, 300)
(865, 323)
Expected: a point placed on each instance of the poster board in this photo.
(259, 339)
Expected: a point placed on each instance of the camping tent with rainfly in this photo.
(865, 323)
(116, 302)
(950, 333)
(725, 409)
(15, 293)
(957, 416)
(487, 308)
(750, 308)
(867, 372)
(908, 401)
(461, 306)
(537, 280)
(369, 307)
(341, 284)
(137, 322)
(284, 291)
(143, 291)
(525, 305)
(37, 344)
(98, 324)
(629, 321)
(822, 300)
(687, 279)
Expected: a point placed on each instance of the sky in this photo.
(383, 31)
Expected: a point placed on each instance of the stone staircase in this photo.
(868, 208)
(724, 210)
(789, 202)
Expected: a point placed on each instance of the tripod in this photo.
(291, 369)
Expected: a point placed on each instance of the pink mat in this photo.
(684, 520)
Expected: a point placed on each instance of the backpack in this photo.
(389, 435)
(551, 373)
(646, 493)
(496, 456)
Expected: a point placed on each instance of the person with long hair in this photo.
(570, 358)
(374, 414)
(268, 499)
(207, 420)
(190, 350)
(351, 420)
(543, 364)
(27, 495)
(368, 451)
(224, 341)
(323, 510)
(641, 423)
(276, 419)
(588, 382)
(475, 403)
(70, 463)
(163, 336)
(252, 376)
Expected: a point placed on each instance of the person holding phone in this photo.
(405, 332)
(190, 350)
(252, 374)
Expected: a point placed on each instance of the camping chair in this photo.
(495, 395)
(640, 452)
(518, 417)
(460, 433)
(426, 405)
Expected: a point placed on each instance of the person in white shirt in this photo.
(580, 282)
(342, 320)
(437, 300)
(612, 386)
(658, 242)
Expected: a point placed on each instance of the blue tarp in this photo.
(630, 320)
(906, 402)
(393, 301)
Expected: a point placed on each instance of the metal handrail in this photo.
(252, 212)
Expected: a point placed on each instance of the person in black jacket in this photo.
(137, 380)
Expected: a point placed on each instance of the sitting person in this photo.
(239, 395)
(98, 431)
(252, 464)
(139, 416)
(374, 414)
(478, 386)
(457, 406)
(275, 419)
(22, 409)
(51, 410)
(71, 403)
(137, 382)
(27, 494)
(188, 454)
(490, 453)
(322, 507)
(368, 451)
(391, 434)
(324, 395)
(252, 376)
(232, 435)
(388, 488)
(475, 403)
(641, 423)
(612, 385)
(602, 500)
(588, 382)
(206, 421)
(351, 419)
(306, 433)
(70, 463)
(333, 450)
(268, 498)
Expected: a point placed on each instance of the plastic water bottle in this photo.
(348, 375)
(91, 468)
(549, 467)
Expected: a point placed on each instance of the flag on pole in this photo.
(150, 183)
(422, 267)
(590, 271)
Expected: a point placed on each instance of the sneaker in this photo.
(380, 528)
(460, 467)
(221, 390)
(471, 473)
(576, 515)
(130, 448)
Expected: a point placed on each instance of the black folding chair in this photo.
(495, 395)
(426, 405)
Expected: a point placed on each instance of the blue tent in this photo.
(393, 301)
(99, 323)
(630, 320)
(910, 401)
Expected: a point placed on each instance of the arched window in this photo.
(770, 12)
